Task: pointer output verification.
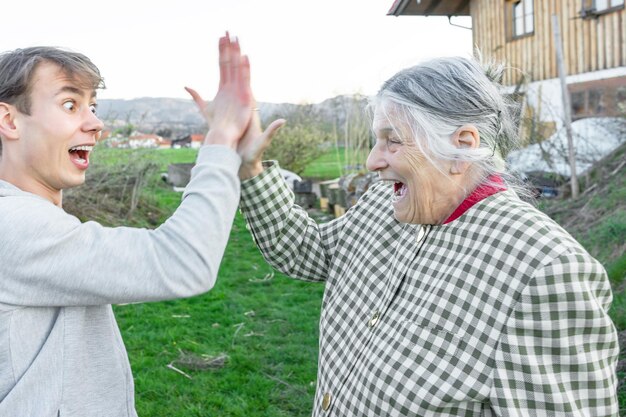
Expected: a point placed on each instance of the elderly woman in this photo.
(446, 294)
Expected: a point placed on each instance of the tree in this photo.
(164, 132)
(304, 138)
(125, 130)
(357, 134)
(295, 146)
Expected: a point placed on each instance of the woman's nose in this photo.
(376, 159)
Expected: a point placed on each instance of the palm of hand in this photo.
(253, 143)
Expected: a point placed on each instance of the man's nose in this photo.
(93, 123)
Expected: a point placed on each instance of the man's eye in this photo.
(70, 105)
(93, 108)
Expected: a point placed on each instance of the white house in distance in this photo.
(194, 140)
(135, 140)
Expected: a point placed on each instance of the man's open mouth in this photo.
(80, 154)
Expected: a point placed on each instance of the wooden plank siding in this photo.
(622, 39)
(544, 38)
(589, 44)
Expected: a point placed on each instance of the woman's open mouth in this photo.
(399, 191)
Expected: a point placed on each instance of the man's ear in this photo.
(8, 129)
(466, 137)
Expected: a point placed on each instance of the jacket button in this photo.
(374, 320)
(326, 402)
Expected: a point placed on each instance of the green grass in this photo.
(335, 163)
(330, 165)
(267, 329)
(605, 241)
(162, 157)
(326, 167)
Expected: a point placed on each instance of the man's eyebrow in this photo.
(74, 90)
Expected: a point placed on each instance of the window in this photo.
(621, 95)
(621, 101)
(601, 5)
(520, 21)
(603, 98)
(597, 101)
(578, 101)
(593, 8)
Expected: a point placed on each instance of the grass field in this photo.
(264, 326)
(326, 167)
(246, 348)
(334, 164)
(249, 346)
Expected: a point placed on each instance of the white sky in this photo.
(300, 51)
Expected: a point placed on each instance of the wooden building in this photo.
(520, 33)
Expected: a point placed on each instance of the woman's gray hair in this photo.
(437, 97)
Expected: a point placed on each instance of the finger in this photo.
(224, 59)
(256, 119)
(235, 60)
(244, 74)
(196, 98)
(271, 130)
(245, 69)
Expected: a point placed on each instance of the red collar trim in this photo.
(481, 192)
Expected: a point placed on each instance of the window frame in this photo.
(597, 98)
(589, 9)
(512, 19)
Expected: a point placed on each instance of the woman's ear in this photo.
(466, 137)
(8, 130)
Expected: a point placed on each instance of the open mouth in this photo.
(399, 190)
(80, 155)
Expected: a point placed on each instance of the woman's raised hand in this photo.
(253, 144)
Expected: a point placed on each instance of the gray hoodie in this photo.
(61, 353)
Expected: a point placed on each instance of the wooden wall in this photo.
(589, 44)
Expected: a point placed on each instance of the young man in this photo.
(61, 353)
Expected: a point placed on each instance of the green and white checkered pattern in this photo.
(498, 313)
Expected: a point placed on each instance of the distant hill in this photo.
(150, 114)
(144, 112)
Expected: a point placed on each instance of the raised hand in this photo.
(253, 144)
(229, 114)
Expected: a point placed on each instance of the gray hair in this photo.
(17, 69)
(437, 97)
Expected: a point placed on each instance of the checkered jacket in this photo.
(498, 313)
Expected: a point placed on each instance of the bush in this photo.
(114, 191)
